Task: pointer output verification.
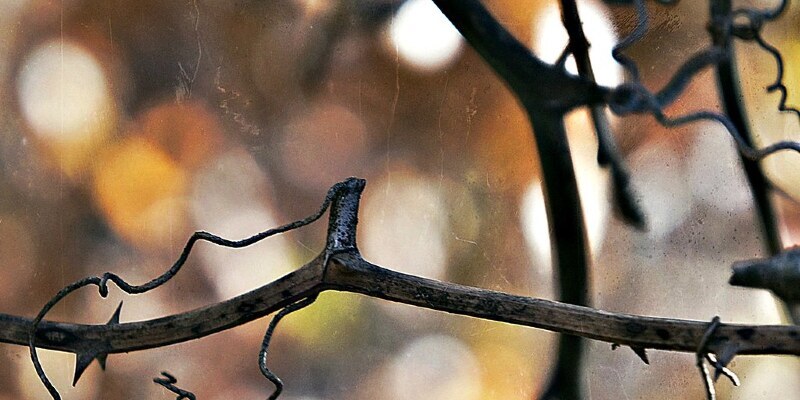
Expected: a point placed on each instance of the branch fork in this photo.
(340, 267)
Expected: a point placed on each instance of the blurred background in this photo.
(127, 125)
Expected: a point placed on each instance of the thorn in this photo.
(115, 318)
(84, 358)
(82, 361)
(721, 362)
(642, 353)
(728, 353)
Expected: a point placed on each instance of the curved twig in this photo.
(262, 355)
(168, 381)
(102, 283)
(701, 355)
(778, 84)
(347, 271)
(642, 22)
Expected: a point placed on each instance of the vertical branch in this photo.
(607, 152)
(547, 93)
(732, 100)
(721, 28)
(564, 210)
(568, 241)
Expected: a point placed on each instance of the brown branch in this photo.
(348, 272)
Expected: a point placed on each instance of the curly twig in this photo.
(778, 84)
(169, 382)
(634, 97)
(347, 271)
(262, 355)
(102, 283)
(701, 354)
(642, 22)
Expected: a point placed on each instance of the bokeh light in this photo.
(102, 168)
(770, 377)
(141, 190)
(435, 367)
(423, 37)
(729, 190)
(662, 189)
(325, 145)
(63, 93)
(405, 225)
(66, 101)
(19, 255)
(230, 198)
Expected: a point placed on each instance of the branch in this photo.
(733, 103)
(535, 81)
(348, 272)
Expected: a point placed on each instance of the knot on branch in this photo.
(747, 24)
(630, 98)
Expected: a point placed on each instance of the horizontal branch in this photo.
(348, 272)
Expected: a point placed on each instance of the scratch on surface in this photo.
(185, 81)
(232, 95)
(303, 245)
(394, 111)
(471, 110)
(441, 131)
(464, 240)
(61, 105)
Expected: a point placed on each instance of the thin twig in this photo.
(701, 355)
(169, 381)
(262, 355)
(102, 283)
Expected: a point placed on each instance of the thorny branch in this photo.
(86, 355)
(340, 267)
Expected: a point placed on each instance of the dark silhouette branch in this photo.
(732, 101)
(348, 272)
(547, 86)
(340, 267)
(546, 92)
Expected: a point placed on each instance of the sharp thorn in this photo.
(83, 359)
(115, 317)
(642, 353)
